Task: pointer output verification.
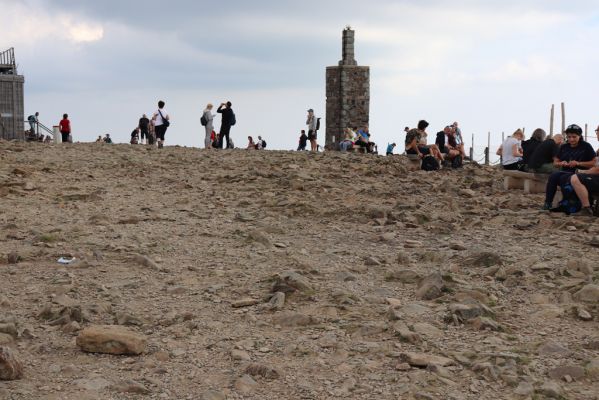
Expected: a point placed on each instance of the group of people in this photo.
(448, 149)
(228, 120)
(572, 166)
(152, 131)
(106, 139)
(357, 139)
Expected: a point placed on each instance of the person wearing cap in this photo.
(312, 135)
(575, 154)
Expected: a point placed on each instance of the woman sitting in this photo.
(251, 145)
(511, 152)
(575, 154)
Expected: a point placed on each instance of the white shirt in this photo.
(508, 152)
(158, 119)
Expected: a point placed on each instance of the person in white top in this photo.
(511, 151)
(209, 119)
(161, 121)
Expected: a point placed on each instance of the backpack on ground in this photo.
(429, 163)
(570, 203)
(203, 120)
(317, 124)
(233, 118)
(457, 162)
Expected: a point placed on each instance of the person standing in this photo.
(144, 128)
(312, 135)
(65, 128)
(227, 121)
(208, 122)
(161, 123)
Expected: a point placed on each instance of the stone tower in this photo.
(11, 97)
(348, 93)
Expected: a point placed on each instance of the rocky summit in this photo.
(285, 275)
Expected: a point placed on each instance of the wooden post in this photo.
(551, 121)
(487, 158)
(563, 118)
(502, 140)
(472, 149)
(586, 129)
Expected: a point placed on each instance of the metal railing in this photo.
(38, 128)
(8, 64)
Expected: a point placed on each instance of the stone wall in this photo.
(11, 106)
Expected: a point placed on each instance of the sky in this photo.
(493, 66)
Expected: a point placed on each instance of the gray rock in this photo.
(588, 294)
(524, 389)
(573, 371)
(294, 319)
(551, 389)
(246, 384)
(551, 348)
(483, 259)
(263, 370)
(277, 301)
(93, 384)
(431, 287)
(403, 276)
(213, 395)
(130, 386)
(423, 360)
(13, 257)
(290, 281)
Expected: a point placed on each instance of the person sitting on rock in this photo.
(585, 183)
(347, 143)
(390, 148)
(530, 146)
(446, 142)
(107, 139)
(135, 136)
(573, 155)
(511, 152)
(416, 140)
(99, 139)
(541, 161)
(251, 145)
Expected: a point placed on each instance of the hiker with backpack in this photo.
(303, 141)
(161, 123)
(207, 122)
(575, 154)
(227, 121)
(415, 144)
(260, 143)
(312, 123)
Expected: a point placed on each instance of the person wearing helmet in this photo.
(575, 154)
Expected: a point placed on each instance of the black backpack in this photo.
(429, 163)
(317, 124)
(233, 120)
(457, 162)
(263, 143)
(203, 120)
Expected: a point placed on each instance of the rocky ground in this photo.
(276, 275)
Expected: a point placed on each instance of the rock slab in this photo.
(111, 339)
(10, 367)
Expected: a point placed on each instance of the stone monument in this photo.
(348, 93)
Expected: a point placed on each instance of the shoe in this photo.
(558, 209)
(547, 206)
(585, 212)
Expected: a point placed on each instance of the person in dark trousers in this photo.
(160, 119)
(303, 141)
(574, 155)
(541, 161)
(227, 121)
(65, 128)
(144, 128)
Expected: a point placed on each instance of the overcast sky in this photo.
(493, 66)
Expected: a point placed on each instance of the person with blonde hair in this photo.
(207, 121)
(511, 151)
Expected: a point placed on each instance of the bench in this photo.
(527, 181)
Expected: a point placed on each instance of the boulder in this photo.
(431, 287)
(111, 339)
(290, 281)
(588, 294)
(10, 366)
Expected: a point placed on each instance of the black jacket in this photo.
(227, 115)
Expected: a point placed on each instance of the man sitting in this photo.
(390, 148)
(529, 146)
(107, 139)
(447, 144)
(416, 142)
(541, 160)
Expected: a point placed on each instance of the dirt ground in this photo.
(289, 275)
